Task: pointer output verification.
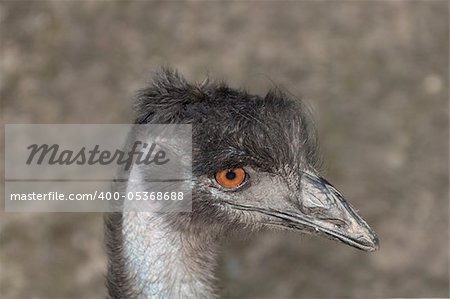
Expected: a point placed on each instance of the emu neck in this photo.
(165, 263)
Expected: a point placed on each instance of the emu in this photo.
(254, 167)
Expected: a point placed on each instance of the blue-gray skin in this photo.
(172, 255)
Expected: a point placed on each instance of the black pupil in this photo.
(230, 175)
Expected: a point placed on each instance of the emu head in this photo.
(254, 162)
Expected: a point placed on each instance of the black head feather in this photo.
(231, 125)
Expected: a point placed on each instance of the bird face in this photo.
(301, 202)
(255, 161)
(256, 169)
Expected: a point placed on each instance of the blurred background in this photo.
(375, 73)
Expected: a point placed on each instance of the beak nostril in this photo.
(312, 210)
(320, 214)
(338, 222)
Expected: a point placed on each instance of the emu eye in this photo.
(230, 178)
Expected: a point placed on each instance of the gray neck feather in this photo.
(157, 259)
(163, 263)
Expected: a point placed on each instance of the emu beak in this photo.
(318, 208)
(324, 211)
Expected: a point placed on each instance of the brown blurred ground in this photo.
(376, 74)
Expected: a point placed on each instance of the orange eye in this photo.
(230, 178)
